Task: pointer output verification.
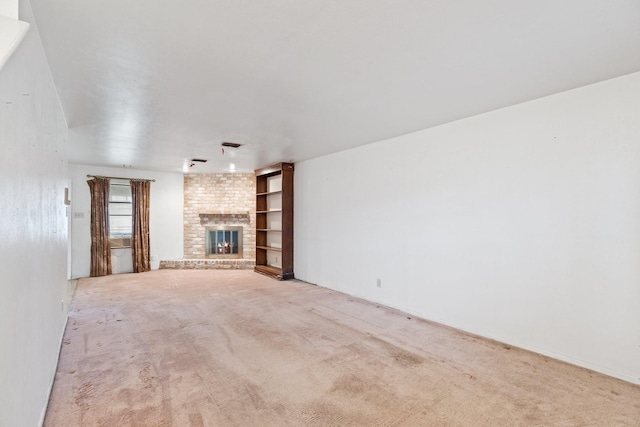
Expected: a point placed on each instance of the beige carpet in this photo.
(234, 348)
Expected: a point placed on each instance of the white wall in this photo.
(33, 231)
(522, 225)
(165, 217)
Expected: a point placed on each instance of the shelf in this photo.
(269, 193)
(268, 270)
(274, 221)
(269, 248)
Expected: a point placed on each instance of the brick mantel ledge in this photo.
(213, 217)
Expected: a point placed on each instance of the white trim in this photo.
(53, 377)
(563, 358)
(12, 31)
(9, 8)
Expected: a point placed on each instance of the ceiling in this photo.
(153, 84)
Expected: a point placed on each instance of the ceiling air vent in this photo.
(231, 144)
(199, 160)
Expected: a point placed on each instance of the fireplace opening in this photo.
(224, 242)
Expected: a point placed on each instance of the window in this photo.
(120, 210)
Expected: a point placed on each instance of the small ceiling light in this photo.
(232, 167)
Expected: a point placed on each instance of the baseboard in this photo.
(582, 364)
(55, 370)
(561, 357)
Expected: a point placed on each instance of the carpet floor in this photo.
(234, 348)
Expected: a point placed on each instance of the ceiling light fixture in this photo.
(231, 144)
(232, 167)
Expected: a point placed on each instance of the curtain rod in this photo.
(116, 177)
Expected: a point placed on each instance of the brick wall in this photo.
(222, 198)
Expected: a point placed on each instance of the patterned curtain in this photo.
(100, 245)
(140, 191)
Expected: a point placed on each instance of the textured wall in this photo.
(34, 231)
(522, 224)
(223, 193)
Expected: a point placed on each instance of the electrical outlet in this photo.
(378, 282)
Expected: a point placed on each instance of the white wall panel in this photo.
(33, 231)
(522, 224)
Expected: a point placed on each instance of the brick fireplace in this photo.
(217, 201)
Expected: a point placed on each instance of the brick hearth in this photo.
(208, 264)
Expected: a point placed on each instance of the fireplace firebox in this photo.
(223, 242)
